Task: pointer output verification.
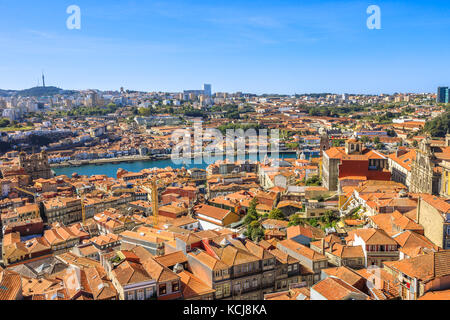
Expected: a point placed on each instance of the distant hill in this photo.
(36, 92)
(6, 93)
(39, 92)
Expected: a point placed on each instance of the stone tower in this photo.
(424, 179)
(36, 165)
(447, 140)
(353, 146)
(324, 143)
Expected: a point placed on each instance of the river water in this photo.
(110, 169)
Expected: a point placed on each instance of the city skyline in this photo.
(41, 83)
(285, 48)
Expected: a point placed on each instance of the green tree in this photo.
(295, 220)
(338, 142)
(276, 214)
(391, 133)
(439, 126)
(329, 219)
(292, 146)
(39, 140)
(254, 231)
(249, 218)
(314, 181)
(257, 234)
(145, 112)
(4, 122)
(252, 215)
(253, 205)
(313, 222)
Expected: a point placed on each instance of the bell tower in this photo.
(353, 146)
(324, 143)
(447, 140)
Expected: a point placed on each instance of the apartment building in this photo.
(309, 258)
(268, 266)
(20, 214)
(149, 241)
(433, 213)
(338, 253)
(168, 284)
(63, 239)
(211, 218)
(289, 271)
(64, 210)
(111, 221)
(246, 269)
(15, 251)
(194, 288)
(376, 244)
(130, 278)
(419, 275)
(400, 165)
(213, 272)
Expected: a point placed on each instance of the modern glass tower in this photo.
(207, 90)
(443, 95)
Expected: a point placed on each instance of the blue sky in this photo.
(279, 46)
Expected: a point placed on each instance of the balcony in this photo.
(268, 267)
(382, 253)
(246, 274)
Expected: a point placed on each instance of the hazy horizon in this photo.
(244, 92)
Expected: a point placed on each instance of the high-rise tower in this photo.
(207, 90)
(443, 95)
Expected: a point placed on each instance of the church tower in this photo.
(324, 143)
(354, 146)
(447, 140)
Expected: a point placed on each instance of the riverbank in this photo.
(80, 163)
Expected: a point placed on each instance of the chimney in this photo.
(323, 246)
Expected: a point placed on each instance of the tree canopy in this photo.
(4, 122)
(276, 214)
(439, 126)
